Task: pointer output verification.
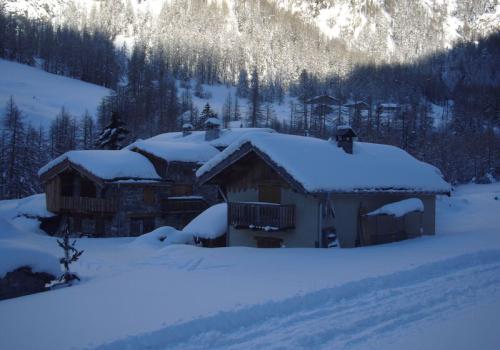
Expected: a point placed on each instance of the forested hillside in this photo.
(160, 56)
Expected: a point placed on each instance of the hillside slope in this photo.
(384, 30)
(41, 95)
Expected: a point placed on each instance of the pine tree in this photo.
(270, 114)
(63, 134)
(236, 109)
(198, 89)
(87, 129)
(242, 86)
(13, 141)
(206, 114)
(113, 134)
(254, 102)
(227, 110)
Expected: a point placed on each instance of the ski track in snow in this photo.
(344, 317)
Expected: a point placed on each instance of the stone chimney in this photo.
(212, 129)
(344, 136)
(187, 129)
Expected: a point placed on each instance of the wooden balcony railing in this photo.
(269, 217)
(83, 204)
(180, 205)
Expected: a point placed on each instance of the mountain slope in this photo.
(402, 29)
(383, 29)
(41, 95)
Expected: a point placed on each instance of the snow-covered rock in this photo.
(15, 254)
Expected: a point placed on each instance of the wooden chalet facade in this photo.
(149, 184)
(271, 204)
(126, 206)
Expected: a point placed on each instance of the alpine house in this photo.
(150, 183)
(296, 191)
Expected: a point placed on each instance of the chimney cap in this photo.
(345, 131)
(213, 122)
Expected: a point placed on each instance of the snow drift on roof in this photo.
(210, 224)
(321, 166)
(400, 208)
(108, 165)
(213, 121)
(227, 136)
(177, 151)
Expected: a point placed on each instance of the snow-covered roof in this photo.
(108, 165)
(400, 208)
(213, 121)
(389, 105)
(210, 224)
(187, 126)
(177, 151)
(226, 136)
(321, 166)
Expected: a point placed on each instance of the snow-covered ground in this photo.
(41, 95)
(439, 292)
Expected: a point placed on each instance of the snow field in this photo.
(41, 95)
(138, 296)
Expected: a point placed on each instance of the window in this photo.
(149, 196)
(270, 194)
(179, 190)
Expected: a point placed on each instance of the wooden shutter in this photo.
(149, 196)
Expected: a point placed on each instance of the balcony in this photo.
(262, 216)
(85, 205)
(183, 205)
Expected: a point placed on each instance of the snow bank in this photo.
(163, 236)
(33, 206)
(14, 255)
(177, 151)
(400, 208)
(322, 166)
(210, 224)
(108, 165)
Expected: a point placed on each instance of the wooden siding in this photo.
(183, 205)
(83, 205)
(261, 216)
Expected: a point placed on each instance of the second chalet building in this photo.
(295, 191)
(129, 192)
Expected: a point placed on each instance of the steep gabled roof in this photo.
(106, 165)
(177, 151)
(323, 100)
(317, 166)
(226, 137)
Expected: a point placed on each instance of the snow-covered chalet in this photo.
(295, 191)
(128, 192)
